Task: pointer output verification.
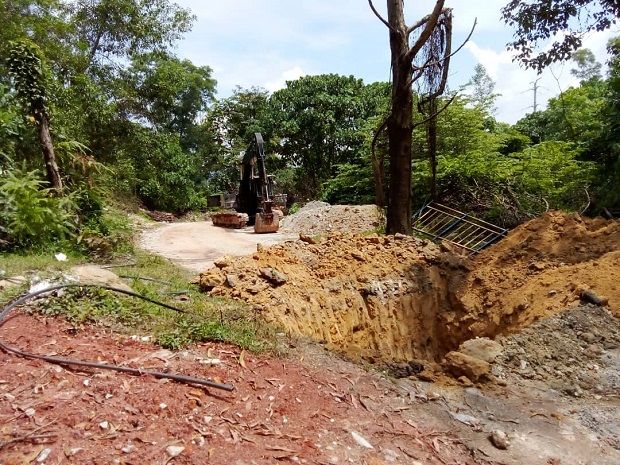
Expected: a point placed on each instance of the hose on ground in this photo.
(6, 310)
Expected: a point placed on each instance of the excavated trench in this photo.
(398, 298)
(371, 298)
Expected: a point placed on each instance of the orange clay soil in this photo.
(402, 298)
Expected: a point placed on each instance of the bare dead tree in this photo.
(406, 42)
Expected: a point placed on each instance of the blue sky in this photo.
(266, 42)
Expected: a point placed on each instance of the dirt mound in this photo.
(541, 268)
(398, 298)
(316, 218)
(374, 297)
(571, 352)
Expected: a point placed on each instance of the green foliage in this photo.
(482, 89)
(538, 21)
(166, 174)
(510, 188)
(167, 92)
(204, 318)
(587, 66)
(11, 127)
(26, 69)
(120, 28)
(317, 119)
(30, 216)
(351, 185)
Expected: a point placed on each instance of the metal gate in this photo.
(462, 229)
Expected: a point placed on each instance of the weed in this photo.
(203, 319)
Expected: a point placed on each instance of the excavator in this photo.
(254, 202)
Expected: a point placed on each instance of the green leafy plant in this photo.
(30, 215)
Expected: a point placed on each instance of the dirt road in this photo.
(195, 245)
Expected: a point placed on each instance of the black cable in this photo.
(104, 366)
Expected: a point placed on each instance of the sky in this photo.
(264, 43)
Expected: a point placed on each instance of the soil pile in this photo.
(398, 298)
(572, 352)
(317, 218)
(541, 268)
(374, 297)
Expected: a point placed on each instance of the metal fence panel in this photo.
(461, 229)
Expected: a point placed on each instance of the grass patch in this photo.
(204, 318)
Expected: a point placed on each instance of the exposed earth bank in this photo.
(399, 298)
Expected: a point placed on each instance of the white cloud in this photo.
(287, 75)
(515, 84)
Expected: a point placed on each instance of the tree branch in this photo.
(416, 25)
(426, 33)
(381, 18)
(437, 113)
(447, 57)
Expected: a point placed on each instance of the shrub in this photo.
(29, 215)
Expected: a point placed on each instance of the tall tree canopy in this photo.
(565, 21)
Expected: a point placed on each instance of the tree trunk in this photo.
(431, 134)
(45, 139)
(400, 124)
(377, 172)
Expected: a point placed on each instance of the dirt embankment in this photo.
(541, 268)
(374, 297)
(401, 298)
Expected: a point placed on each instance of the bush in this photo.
(352, 184)
(30, 215)
(508, 189)
(166, 175)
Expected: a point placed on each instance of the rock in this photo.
(361, 440)
(358, 256)
(307, 239)
(232, 280)
(499, 439)
(400, 236)
(174, 451)
(465, 381)
(93, 274)
(536, 266)
(373, 239)
(274, 276)
(459, 364)
(128, 449)
(222, 262)
(211, 279)
(588, 337)
(589, 296)
(482, 348)
(12, 282)
(43, 455)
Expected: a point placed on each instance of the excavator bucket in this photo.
(230, 220)
(267, 223)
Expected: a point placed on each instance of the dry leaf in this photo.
(242, 359)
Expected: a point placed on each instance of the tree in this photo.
(227, 130)
(318, 121)
(539, 20)
(587, 66)
(400, 121)
(167, 92)
(26, 68)
(116, 29)
(482, 93)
